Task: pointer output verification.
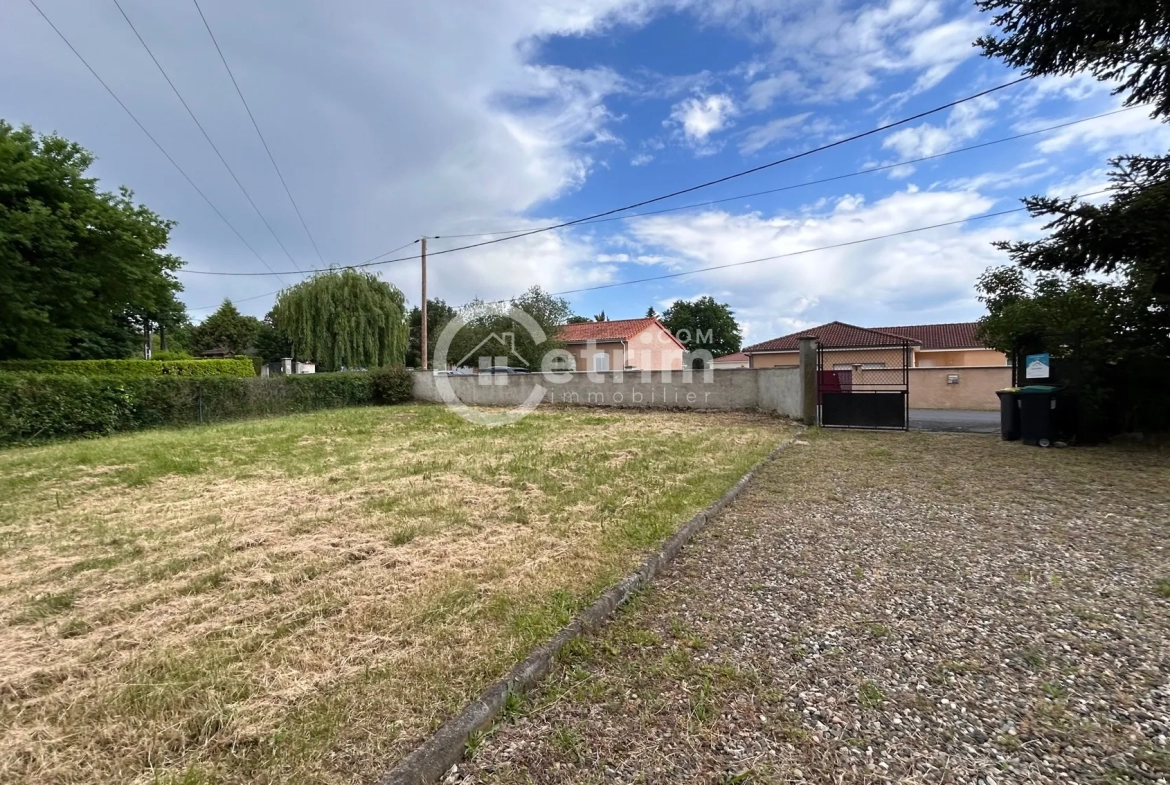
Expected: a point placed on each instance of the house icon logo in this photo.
(487, 359)
(498, 348)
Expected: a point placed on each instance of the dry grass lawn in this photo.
(302, 599)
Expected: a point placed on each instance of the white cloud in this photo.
(701, 116)
(387, 119)
(1131, 132)
(932, 272)
(963, 123)
(641, 159)
(828, 50)
(760, 136)
(762, 93)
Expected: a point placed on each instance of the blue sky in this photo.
(454, 118)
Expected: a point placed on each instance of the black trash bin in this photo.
(1009, 414)
(1039, 419)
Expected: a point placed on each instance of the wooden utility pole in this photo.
(423, 342)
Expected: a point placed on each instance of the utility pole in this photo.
(423, 342)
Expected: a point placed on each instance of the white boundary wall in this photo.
(769, 389)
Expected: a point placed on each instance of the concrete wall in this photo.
(929, 389)
(959, 357)
(775, 390)
(975, 390)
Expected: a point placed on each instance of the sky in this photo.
(393, 120)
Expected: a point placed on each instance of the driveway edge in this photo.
(430, 761)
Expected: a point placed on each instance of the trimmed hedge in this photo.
(239, 366)
(393, 384)
(42, 406)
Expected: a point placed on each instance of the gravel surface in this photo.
(903, 607)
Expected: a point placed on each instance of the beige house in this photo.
(846, 345)
(642, 344)
(737, 360)
(949, 368)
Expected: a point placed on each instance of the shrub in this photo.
(170, 356)
(392, 384)
(45, 406)
(133, 368)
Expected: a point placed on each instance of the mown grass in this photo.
(302, 599)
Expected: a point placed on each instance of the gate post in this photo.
(808, 380)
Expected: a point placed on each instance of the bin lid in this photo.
(1039, 389)
(1009, 390)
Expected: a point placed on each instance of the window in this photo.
(601, 361)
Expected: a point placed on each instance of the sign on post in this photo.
(1036, 366)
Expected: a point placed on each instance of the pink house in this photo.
(641, 344)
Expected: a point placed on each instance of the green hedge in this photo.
(42, 406)
(239, 366)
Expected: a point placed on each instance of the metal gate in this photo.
(864, 395)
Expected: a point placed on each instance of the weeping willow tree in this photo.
(344, 319)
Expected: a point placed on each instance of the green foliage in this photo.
(574, 319)
(438, 315)
(133, 368)
(169, 356)
(491, 330)
(345, 319)
(1120, 325)
(1114, 41)
(704, 325)
(391, 384)
(651, 313)
(1102, 330)
(601, 317)
(227, 328)
(36, 407)
(79, 268)
(270, 343)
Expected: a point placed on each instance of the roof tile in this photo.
(834, 335)
(957, 335)
(616, 330)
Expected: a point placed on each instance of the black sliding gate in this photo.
(864, 395)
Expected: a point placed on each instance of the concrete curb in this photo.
(431, 760)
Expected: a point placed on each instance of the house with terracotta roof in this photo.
(848, 346)
(736, 360)
(642, 344)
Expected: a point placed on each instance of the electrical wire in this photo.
(206, 136)
(846, 244)
(859, 173)
(278, 291)
(256, 125)
(682, 191)
(150, 136)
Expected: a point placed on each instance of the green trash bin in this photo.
(1039, 415)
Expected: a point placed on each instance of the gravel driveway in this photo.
(909, 607)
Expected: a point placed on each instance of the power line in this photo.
(680, 192)
(256, 125)
(805, 251)
(871, 170)
(846, 244)
(150, 136)
(206, 136)
(278, 291)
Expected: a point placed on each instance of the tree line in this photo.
(85, 274)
